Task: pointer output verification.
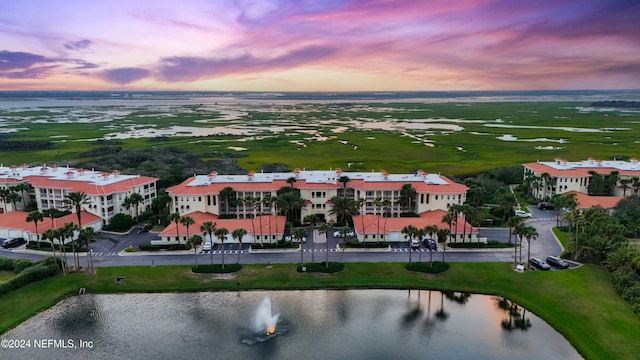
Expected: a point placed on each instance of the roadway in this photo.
(108, 250)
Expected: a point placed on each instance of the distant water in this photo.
(518, 95)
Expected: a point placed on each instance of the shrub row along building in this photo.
(382, 199)
(45, 188)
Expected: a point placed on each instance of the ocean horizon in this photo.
(325, 95)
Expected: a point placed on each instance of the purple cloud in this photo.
(10, 60)
(184, 68)
(126, 75)
(78, 45)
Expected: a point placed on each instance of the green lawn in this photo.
(580, 303)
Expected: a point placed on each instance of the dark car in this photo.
(557, 262)
(539, 264)
(430, 244)
(146, 228)
(544, 205)
(9, 243)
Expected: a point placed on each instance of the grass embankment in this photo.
(562, 237)
(579, 303)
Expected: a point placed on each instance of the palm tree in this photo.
(312, 220)
(86, 236)
(344, 234)
(77, 200)
(506, 200)
(272, 201)
(431, 230)
(221, 233)
(175, 217)
(194, 240)
(386, 203)
(530, 233)
(21, 187)
(226, 194)
(442, 238)
(299, 234)
(519, 231)
(35, 217)
(292, 180)
(410, 231)
(344, 180)
(512, 223)
(68, 230)
(378, 202)
(625, 185)
(209, 227)
(407, 193)
(249, 201)
(291, 202)
(50, 235)
(14, 197)
(3, 195)
(324, 229)
(134, 200)
(454, 210)
(343, 208)
(239, 234)
(187, 221)
(361, 203)
(467, 211)
(420, 233)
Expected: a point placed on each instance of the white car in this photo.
(523, 214)
(414, 243)
(206, 246)
(338, 235)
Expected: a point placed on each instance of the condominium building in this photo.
(224, 194)
(561, 176)
(48, 186)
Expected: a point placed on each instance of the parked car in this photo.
(539, 264)
(431, 244)
(414, 243)
(206, 246)
(9, 243)
(145, 228)
(557, 262)
(338, 235)
(544, 205)
(523, 214)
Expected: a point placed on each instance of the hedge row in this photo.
(16, 266)
(155, 247)
(32, 272)
(625, 283)
(216, 268)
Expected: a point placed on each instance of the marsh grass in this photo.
(454, 152)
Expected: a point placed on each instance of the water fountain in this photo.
(265, 321)
(265, 325)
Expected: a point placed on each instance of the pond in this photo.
(318, 324)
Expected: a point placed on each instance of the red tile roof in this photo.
(397, 224)
(588, 201)
(269, 224)
(87, 187)
(17, 220)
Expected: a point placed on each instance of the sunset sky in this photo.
(319, 45)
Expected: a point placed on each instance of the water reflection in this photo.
(321, 324)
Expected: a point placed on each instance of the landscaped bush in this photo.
(6, 264)
(216, 268)
(491, 244)
(21, 264)
(282, 244)
(120, 223)
(425, 267)
(625, 283)
(351, 243)
(158, 247)
(322, 267)
(41, 270)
